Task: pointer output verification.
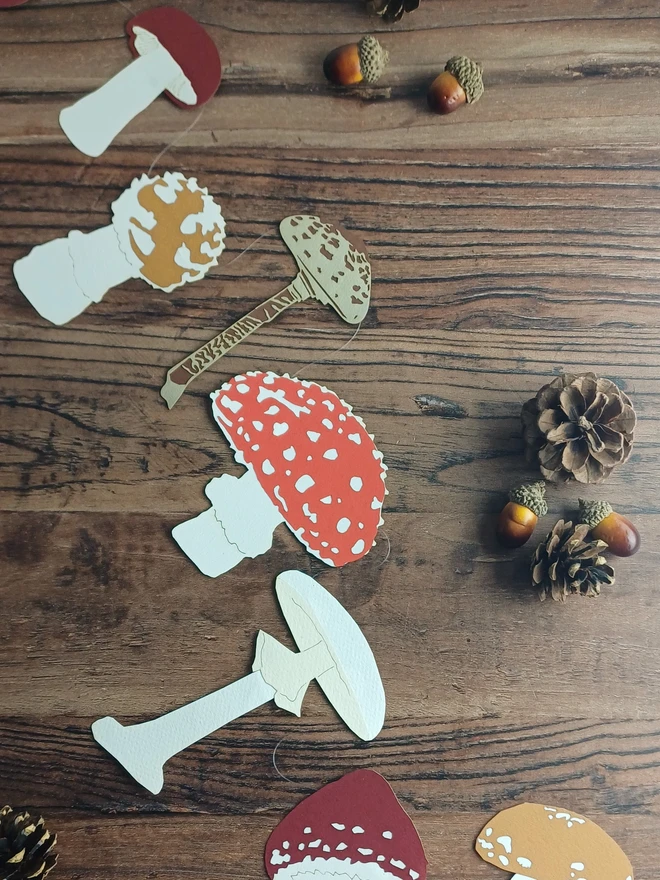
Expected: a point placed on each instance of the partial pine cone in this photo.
(578, 428)
(565, 564)
(391, 10)
(26, 846)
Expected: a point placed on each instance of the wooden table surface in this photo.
(516, 239)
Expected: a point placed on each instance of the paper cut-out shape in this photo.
(165, 229)
(174, 55)
(331, 270)
(534, 842)
(332, 650)
(353, 828)
(310, 464)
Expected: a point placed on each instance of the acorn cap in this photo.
(531, 495)
(469, 75)
(373, 59)
(594, 512)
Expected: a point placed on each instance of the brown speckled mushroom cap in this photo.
(548, 843)
(337, 272)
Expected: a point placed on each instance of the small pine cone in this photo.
(578, 428)
(391, 10)
(26, 846)
(565, 564)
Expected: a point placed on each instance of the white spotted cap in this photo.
(311, 455)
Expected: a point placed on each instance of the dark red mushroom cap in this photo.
(356, 820)
(188, 43)
(5, 4)
(311, 455)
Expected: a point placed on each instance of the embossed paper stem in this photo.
(182, 374)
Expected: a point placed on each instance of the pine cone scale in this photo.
(26, 846)
(575, 454)
(572, 402)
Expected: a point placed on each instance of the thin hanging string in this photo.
(126, 6)
(330, 353)
(277, 769)
(251, 245)
(176, 140)
(389, 547)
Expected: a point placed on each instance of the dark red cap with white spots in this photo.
(311, 455)
(356, 820)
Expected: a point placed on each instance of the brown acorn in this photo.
(461, 82)
(518, 519)
(620, 535)
(354, 63)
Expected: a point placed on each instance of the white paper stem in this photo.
(98, 262)
(240, 523)
(93, 122)
(143, 749)
(63, 277)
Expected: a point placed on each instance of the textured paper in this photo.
(353, 828)
(174, 55)
(332, 650)
(331, 270)
(165, 229)
(310, 463)
(550, 843)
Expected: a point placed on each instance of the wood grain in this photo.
(514, 240)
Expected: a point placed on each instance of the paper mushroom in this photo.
(165, 229)
(173, 54)
(354, 828)
(332, 650)
(534, 842)
(331, 270)
(310, 464)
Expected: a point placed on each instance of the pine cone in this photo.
(26, 847)
(578, 428)
(391, 10)
(564, 564)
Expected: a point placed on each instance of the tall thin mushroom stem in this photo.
(182, 374)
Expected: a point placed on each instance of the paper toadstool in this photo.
(310, 464)
(174, 55)
(534, 842)
(354, 828)
(332, 650)
(166, 230)
(331, 270)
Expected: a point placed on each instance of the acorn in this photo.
(518, 519)
(356, 62)
(620, 535)
(461, 82)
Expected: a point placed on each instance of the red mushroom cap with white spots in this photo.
(356, 820)
(311, 455)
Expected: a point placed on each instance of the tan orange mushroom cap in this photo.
(535, 842)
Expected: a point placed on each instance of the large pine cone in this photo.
(392, 10)
(26, 847)
(566, 564)
(578, 428)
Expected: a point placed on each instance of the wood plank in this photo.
(558, 77)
